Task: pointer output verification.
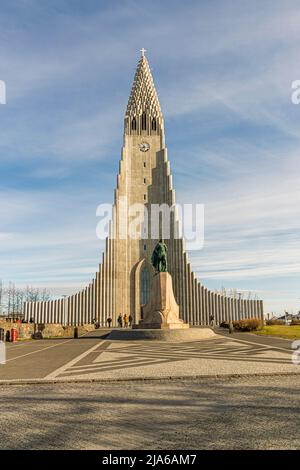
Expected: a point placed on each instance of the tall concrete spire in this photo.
(143, 100)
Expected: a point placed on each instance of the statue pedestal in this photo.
(162, 310)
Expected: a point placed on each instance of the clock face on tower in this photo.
(144, 147)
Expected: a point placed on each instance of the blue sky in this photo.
(223, 71)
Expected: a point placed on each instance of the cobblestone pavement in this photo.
(216, 413)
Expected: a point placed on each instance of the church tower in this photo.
(144, 180)
(144, 183)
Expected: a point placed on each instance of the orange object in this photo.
(13, 335)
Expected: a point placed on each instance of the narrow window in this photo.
(144, 164)
(145, 197)
(145, 247)
(144, 180)
(144, 122)
(133, 124)
(153, 124)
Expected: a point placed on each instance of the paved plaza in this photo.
(239, 413)
(94, 358)
(230, 392)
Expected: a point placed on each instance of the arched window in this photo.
(133, 124)
(145, 285)
(153, 125)
(144, 122)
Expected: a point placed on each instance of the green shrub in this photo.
(275, 322)
(248, 324)
(224, 324)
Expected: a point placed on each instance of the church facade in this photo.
(122, 283)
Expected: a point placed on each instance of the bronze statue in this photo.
(159, 257)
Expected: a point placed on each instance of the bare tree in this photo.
(44, 295)
(12, 298)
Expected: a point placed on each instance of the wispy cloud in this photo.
(223, 71)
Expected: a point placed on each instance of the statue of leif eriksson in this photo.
(159, 257)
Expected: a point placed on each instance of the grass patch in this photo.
(283, 331)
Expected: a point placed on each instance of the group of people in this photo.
(125, 320)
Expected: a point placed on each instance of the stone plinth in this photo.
(162, 334)
(162, 310)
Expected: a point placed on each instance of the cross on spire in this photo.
(143, 51)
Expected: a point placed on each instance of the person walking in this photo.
(120, 321)
(109, 322)
(130, 320)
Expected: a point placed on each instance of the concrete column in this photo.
(97, 310)
(56, 311)
(109, 313)
(82, 318)
(222, 306)
(25, 311)
(89, 312)
(200, 303)
(43, 316)
(176, 267)
(252, 308)
(261, 309)
(207, 306)
(76, 310)
(106, 287)
(244, 309)
(209, 311)
(72, 308)
(181, 281)
(31, 311)
(229, 309)
(49, 311)
(235, 304)
(213, 306)
(196, 297)
(219, 309)
(106, 290)
(186, 287)
(101, 294)
(103, 303)
(79, 310)
(94, 293)
(232, 309)
(113, 276)
(225, 308)
(58, 316)
(191, 297)
(68, 301)
(248, 308)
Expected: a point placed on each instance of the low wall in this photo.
(25, 330)
(51, 330)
